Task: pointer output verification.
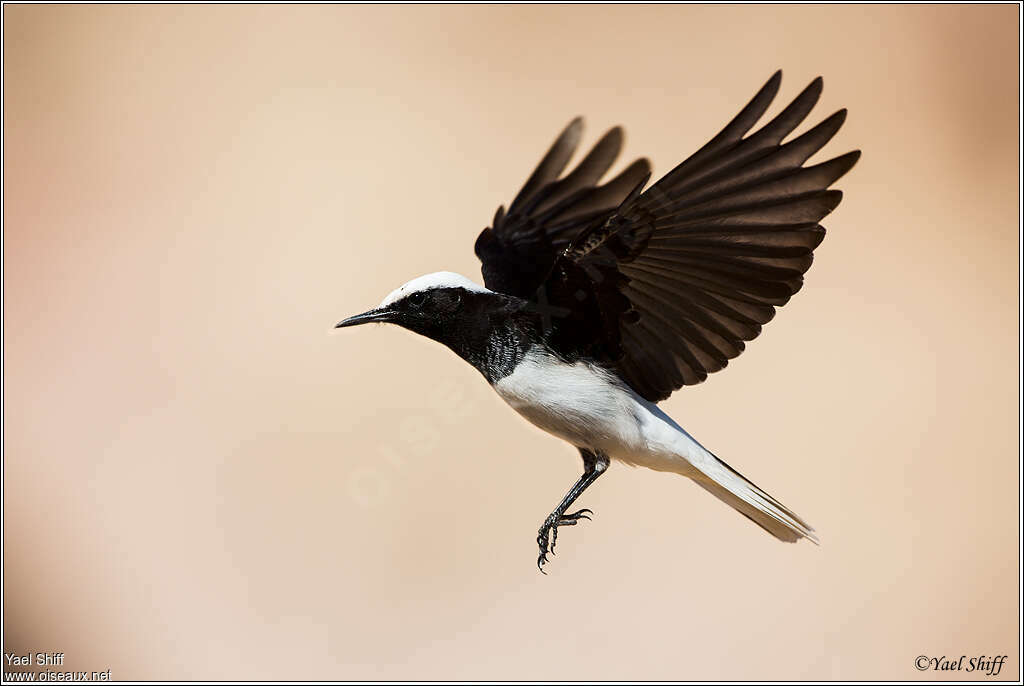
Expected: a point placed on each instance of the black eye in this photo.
(417, 299)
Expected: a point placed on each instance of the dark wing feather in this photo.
(519, 249)
(551, 166)
(683, 274)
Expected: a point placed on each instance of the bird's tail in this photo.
(732, 488)
(679, 452)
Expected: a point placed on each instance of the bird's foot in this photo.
(549, 531)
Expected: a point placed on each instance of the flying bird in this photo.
(601, 299)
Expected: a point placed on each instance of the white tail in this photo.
(734, 489)
(690, 458)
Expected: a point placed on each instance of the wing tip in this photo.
(815, 86)
(771, 87)
(613, 138)
(571, 134)
(832, 198)
(846, 161)
(617, 131)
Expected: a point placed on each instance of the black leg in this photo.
(594, 465)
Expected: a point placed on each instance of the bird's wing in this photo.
(671, 285)
(519, 249)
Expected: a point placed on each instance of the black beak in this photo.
(376, 315)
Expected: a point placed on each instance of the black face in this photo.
(488, 330)
(429, 312)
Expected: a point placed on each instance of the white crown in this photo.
(429, 281)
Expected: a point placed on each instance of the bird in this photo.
(599, 300)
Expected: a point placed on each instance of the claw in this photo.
(542, 543)
(547, 535)
(575, 516)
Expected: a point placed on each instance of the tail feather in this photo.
(745, 497)
(674, 450)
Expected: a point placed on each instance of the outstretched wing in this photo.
(519, 249)
(682, 275)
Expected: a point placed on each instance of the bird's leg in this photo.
(594, 465)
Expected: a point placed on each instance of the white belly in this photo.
(590, 408)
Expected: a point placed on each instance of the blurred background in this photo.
(202, 479)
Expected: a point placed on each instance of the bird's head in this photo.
(427, 305)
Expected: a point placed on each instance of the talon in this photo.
(542, 543)
(547, 535)
(571, 519)
(579, 514)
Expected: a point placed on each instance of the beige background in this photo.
(203, 479)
